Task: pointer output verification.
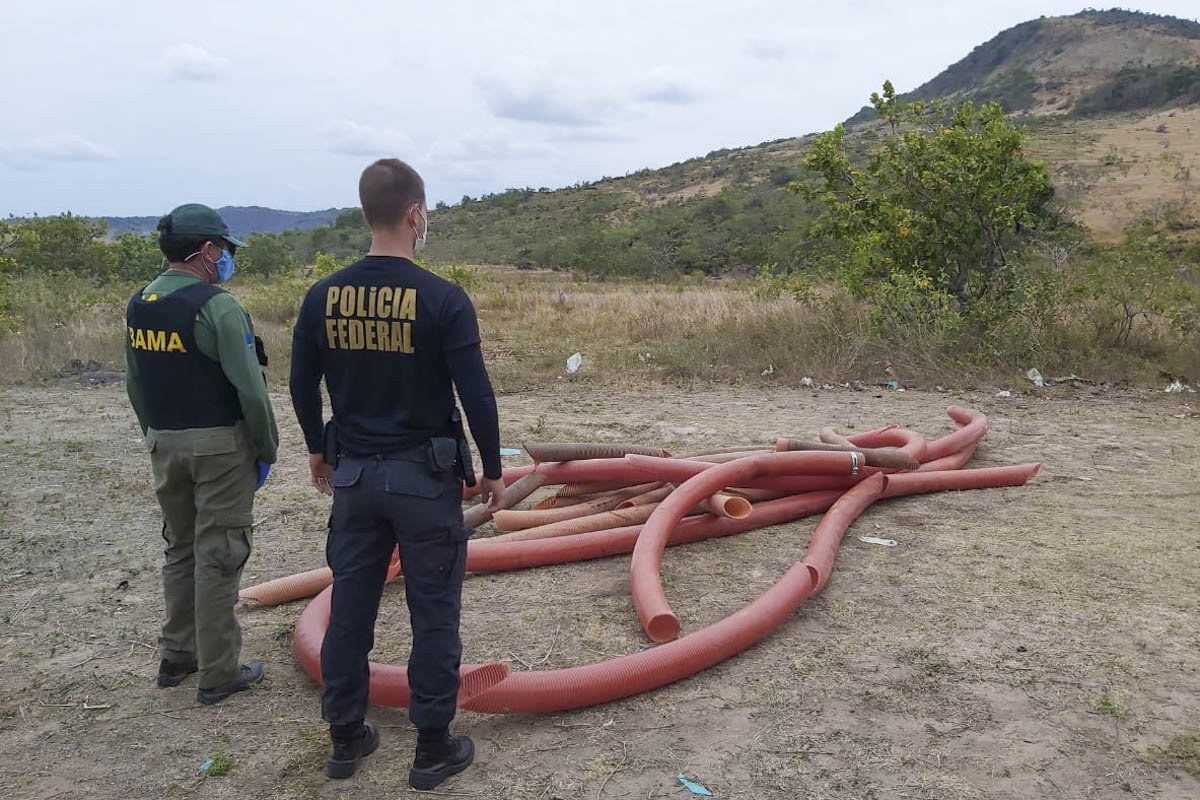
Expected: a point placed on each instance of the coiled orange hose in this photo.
(577, 687)
(491, 688)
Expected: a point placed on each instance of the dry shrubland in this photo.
(694, 330)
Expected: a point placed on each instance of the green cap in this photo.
(195, 219)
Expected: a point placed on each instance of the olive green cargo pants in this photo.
(204, 479)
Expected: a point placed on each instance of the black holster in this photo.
(329, 444)
(260, 351)
(463, 464)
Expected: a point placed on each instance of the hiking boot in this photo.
(172, 673)
(247, 675)
(439, 755)
(343, 761)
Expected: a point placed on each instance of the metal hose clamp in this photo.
(854, 463)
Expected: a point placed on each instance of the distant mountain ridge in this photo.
(242, 220)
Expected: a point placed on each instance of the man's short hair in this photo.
(387, 190)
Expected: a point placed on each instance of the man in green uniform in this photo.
(194, 377)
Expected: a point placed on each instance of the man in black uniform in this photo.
(389, 339)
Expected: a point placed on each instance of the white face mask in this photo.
(419, 244)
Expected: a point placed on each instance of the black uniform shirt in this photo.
(390, 338)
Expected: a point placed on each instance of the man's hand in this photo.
(491, 491)
(322, 473)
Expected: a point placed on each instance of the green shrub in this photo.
(936, 226)
(1130, 287)
(462, 275)
(326, 264)
(772, 283)
(265, 254)
(1012, 90)
(63, 243)
(137, 257)
(1138, 86)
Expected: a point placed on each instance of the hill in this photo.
(1109, 99)
(242, 220)
(1092, 62)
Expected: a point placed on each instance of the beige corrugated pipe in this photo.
(519, 520)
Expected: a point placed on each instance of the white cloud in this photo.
(670, 85)
(348, 138)
(53, 148)
(278, 80)
(69, 147)
(523, 91)
(189, 62)
(497, 143)
(590, 135)
(483, 157)
(767, 50)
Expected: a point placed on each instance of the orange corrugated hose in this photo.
(491, 688)
(577, 687)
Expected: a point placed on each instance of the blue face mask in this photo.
(225, 266)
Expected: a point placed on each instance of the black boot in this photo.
(439, 755)
(172, 673)
(247, 675)
(347, 751)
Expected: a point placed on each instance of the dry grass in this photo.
(1114, 171)
(63, 320)
(697, 331)
(694, 332)
(531, 323)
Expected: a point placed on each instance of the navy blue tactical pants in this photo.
(377, 504)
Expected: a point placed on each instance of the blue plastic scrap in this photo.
(693, 787)
(509, 451)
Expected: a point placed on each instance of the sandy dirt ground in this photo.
(1033, 642)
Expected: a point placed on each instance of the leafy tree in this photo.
(353, 218)
(136, 257)
(63, 243)
(265, 254)
(943, 208)
(321, 239)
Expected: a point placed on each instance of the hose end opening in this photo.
(662, 628)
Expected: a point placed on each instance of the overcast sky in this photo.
(125, 107)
